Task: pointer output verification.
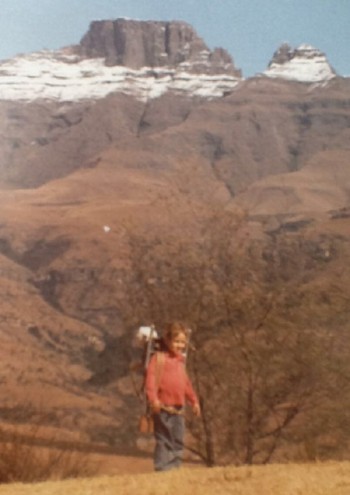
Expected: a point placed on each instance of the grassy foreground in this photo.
(331, 478)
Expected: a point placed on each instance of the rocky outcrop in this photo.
(303, 64)
(137, 44)
(282, 55)
(142, 59)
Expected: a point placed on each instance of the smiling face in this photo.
(177, 344)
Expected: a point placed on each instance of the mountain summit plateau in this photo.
(144, 59)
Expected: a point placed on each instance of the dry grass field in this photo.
(331, 478)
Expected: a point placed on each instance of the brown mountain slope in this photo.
(43, 357)
(65, 253)
(321, 186)
(264, 127)
(40, 141)
(65, 258)
(271, 148)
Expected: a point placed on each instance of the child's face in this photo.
(178, 344)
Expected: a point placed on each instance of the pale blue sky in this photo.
(251, 30)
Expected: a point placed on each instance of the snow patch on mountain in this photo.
(56, 75)
(304, 64)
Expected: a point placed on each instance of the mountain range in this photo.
(141, 130)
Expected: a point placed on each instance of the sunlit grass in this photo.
(294, 479)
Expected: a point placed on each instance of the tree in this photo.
(260, 364)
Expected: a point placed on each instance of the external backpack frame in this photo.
(151, 344)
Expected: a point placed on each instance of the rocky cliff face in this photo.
(145, 60)
(304, 64)
(142, 59)
(137, 44)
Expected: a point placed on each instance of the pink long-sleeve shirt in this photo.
(174, 387)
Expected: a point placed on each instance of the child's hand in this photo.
(196, 410)
(156, 407)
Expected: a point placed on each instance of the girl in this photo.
(168, 388)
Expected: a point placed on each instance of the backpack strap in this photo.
(160, 360)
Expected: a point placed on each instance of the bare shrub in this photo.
(23, 460)
(267, 364)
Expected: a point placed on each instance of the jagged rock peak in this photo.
(138, 44)
(304, 64)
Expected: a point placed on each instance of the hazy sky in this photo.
(251, 30)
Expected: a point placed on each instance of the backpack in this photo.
(148, 342)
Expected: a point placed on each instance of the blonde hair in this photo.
(172, 330)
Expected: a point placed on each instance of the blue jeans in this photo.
(169, 430)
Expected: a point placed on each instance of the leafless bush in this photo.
(267, 364)
(22, 460)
